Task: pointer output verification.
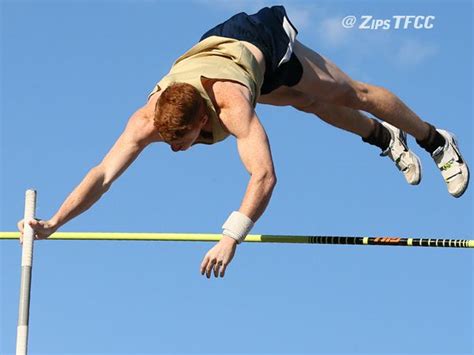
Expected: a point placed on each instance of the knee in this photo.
(355, 95)
(306, 105)
(303, 108)
(310, 106)
(341, 94)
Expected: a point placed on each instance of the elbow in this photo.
(266, 178)
(272, 180)
(106, 187)
(99, 175)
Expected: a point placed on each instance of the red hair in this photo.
(177, 110)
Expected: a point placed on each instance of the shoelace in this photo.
(402, 161)
(449, 168)
(399, 155)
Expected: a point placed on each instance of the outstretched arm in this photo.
(98, 180)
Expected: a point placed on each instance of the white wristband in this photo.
(237, 226)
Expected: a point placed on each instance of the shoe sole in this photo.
(421, 170)
(467, 168)
(405, 144)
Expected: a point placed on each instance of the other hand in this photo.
(219, 257)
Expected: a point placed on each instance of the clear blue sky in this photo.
(73, 72)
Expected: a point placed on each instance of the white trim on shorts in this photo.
(291, 33)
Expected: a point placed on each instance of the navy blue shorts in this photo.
(271, 31)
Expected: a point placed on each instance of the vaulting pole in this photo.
(26, 269)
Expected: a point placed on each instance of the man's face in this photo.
(185, 142)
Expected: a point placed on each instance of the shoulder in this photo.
(230, 94)
(140, 127)
(236, 110)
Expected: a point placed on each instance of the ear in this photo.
(204, 119)
(203, 112)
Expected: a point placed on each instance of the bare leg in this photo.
(350, 120)
(388, 107)
(329, 93)
(341, 117)
(325, 82)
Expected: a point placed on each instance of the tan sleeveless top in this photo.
(215, 58)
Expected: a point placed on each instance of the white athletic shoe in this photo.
(405, 160)
(453, 168)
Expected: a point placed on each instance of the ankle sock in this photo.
(380, 136)
(432, 141)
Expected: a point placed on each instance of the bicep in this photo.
(254, 148)
(241, 120)
(122, 154)
(119, 158)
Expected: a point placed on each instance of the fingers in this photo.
(35, 223)
(20, 228)
(210, 265)
(38, 227)
(223, 270)
(219, 265)
(204, 264)
(217, 259)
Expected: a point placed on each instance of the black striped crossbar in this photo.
(259, 238)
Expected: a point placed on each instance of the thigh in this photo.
(285, 96)
(321, 79)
